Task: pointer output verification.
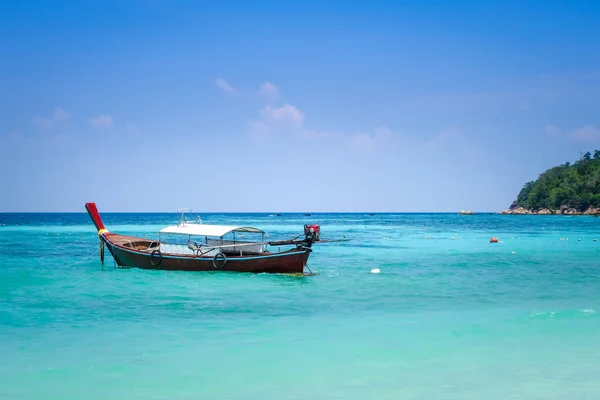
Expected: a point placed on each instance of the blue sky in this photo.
(287, 106)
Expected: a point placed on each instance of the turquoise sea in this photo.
(450, 316)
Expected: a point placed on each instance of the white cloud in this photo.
(259, 129)
(289, 120)
(131, 128)
(269, 90)
(225, 86)
(588, 133)
(58, 116)
(102, 121)
(452, 141)
(284, 114)
(286, 118)
(553, 130)
(365, 142)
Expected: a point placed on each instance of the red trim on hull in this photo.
(292, 261)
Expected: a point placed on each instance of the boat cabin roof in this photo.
(207, 230)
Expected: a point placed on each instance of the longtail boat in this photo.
(194, 246)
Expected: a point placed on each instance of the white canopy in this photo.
(207, 230)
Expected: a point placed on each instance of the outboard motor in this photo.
(312, 233)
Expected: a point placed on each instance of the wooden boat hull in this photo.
(124, 250)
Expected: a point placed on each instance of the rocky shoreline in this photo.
(564, 210)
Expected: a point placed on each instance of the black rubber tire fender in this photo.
(218, 256)
(152, 256)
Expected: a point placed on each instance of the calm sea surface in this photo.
(450, 316)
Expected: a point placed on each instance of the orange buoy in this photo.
(494, 240)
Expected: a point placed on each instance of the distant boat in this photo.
(194, 246)
(463, 212)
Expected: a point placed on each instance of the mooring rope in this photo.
(309, 269)
(82, 260)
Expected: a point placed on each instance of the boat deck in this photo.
(131, 242)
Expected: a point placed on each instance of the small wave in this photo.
(547, 314)
(562, 314)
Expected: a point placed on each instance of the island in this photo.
(567, 189)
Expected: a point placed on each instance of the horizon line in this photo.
(248, 212)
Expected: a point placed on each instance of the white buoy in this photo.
(375, 271)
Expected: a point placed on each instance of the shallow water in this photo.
(450, 315)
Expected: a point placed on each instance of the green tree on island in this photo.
(575, 186)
